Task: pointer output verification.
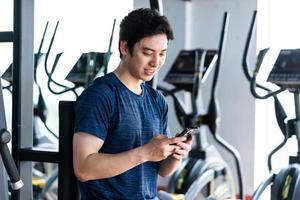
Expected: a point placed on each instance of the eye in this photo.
(163, 54)
(147, 53)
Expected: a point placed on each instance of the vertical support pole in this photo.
(22, 111)
(156, 5)
(67, 182)
(297, 123)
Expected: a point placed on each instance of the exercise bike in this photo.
(286, 74)
(204, 174)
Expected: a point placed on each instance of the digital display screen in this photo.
(189, 67)
(288, 61)
(286, 70)
(185, 62)
(86, 68)
(188, 61)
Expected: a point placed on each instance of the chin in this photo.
(147, 78)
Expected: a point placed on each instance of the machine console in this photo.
(286, 70)
(189, 67)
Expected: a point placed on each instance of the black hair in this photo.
(141, 23)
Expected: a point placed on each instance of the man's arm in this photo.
(90, 165)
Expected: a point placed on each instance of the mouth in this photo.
(149, 72)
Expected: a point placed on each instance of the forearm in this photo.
(90, 165)
(168, 166)
(102, 165)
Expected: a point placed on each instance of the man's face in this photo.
(148, 55)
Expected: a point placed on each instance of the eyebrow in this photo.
(147, 48)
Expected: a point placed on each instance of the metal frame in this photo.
(67, 184)
(6, 36)
(22, 109)
(3, 175)
(22, 38)
(155, 5)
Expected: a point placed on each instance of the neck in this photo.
(128, 80)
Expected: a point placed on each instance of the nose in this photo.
(155, 61)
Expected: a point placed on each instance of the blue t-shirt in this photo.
(124, 120)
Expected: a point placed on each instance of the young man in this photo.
(121, 140)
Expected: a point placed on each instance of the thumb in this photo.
(160, 136)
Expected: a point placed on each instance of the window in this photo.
(276, 28)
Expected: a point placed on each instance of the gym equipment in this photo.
(42, 182)
(81, 75)
(40, 110)
(285, 73)
(43, 179)
(9, 164)
(90, 65)
(42, 187)
(49, 74)
(85, 69)
(286, 184)
(67, 182)
(251, 77)
(203, 174)
(22, 150)
(22, 38)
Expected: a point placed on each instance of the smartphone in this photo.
(187, 132)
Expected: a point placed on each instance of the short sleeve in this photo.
(164, 113)
(93, 111)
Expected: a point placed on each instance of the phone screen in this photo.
(187, 131)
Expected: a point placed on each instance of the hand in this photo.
(160, 147)
(182, 148)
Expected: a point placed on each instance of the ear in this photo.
(123, 48)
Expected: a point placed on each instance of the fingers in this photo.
(182, 149)
(184, 145)
(175, 140)
(177, 156)
(161, 147)
(179, 153)
(164, 139)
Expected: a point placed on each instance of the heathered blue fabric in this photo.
(124, 120)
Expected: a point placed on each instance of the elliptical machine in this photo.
(204, 174)
(286, 74)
